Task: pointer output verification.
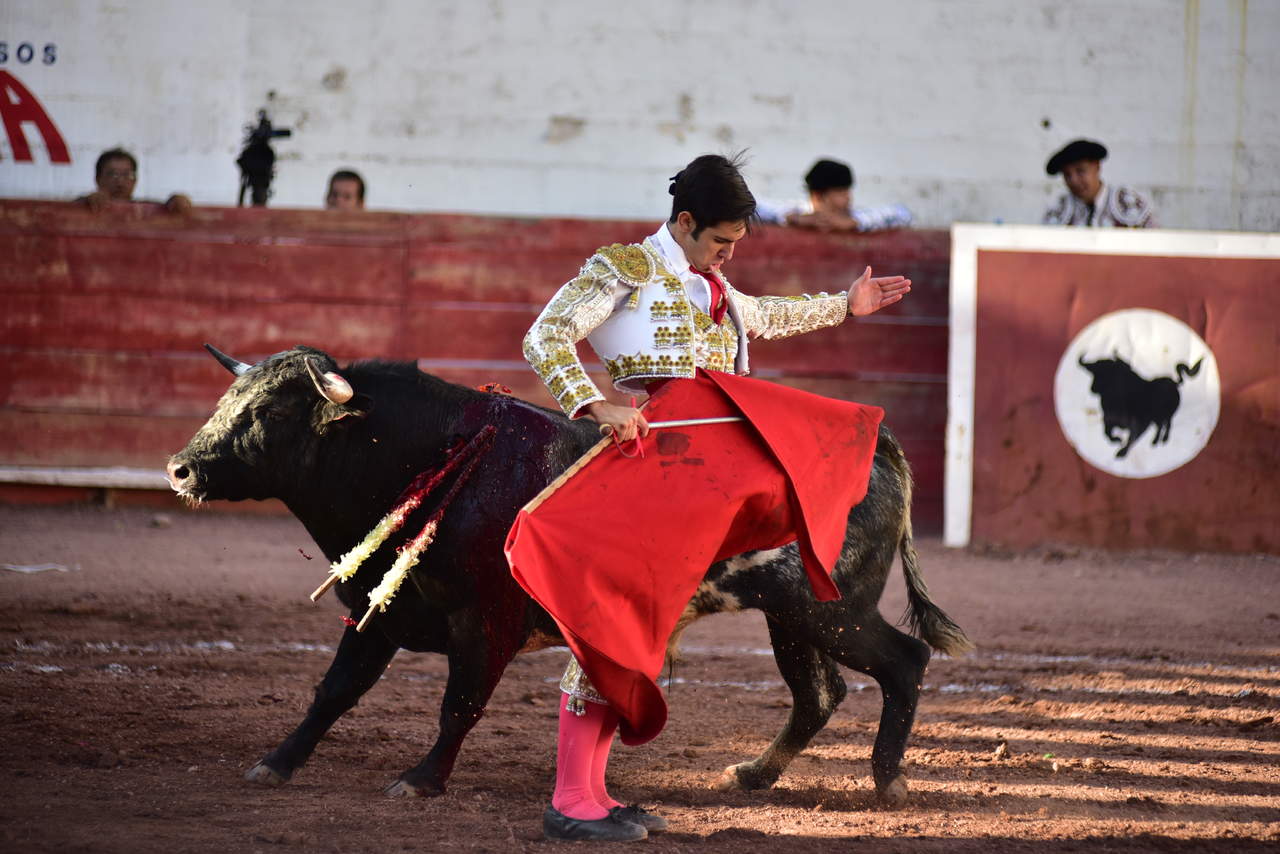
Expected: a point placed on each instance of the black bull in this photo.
(339, 461)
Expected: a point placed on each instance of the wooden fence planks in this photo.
(105, 315)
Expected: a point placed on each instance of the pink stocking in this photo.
(579, 738)
(600, 759)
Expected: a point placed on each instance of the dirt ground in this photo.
(1115, 703)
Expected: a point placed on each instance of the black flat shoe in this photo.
(558, 827)
(637, 814)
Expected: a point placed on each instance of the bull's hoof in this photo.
(404, 789)
(894, 795)
(728, 781)
(743, 777)
(264, 775)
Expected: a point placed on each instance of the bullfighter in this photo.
(665, 321)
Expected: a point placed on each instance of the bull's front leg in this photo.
(476, 663)
(361, 660)
(1110, 426)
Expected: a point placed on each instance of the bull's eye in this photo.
(272, 413)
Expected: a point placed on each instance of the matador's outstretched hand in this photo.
(868, 295)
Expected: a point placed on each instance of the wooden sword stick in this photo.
(689, 422)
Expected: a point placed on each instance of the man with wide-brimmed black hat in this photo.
(1091, 202)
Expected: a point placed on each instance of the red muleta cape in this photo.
(616, 553)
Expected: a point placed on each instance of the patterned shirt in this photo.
(1117, 206)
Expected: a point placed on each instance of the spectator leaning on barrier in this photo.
(1090, 202)
(116, 174)
(830, 204)
(346, 191)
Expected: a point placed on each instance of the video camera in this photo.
(257, 161)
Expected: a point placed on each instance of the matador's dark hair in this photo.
(712, 190)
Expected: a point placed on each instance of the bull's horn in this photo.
(332, 386)
(235, 366)
(1082, 364)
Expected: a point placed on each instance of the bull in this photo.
(338, 448)
(1133, 404)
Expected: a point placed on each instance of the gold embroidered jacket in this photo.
(637, 316)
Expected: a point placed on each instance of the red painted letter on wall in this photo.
(18, 105)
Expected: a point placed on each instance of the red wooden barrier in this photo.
(105, 314)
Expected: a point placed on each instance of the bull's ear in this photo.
(357, 407)
(329, 413)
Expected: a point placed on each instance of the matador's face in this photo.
(713, 246)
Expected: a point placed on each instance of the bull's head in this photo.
(267, 424)
(1109, 375)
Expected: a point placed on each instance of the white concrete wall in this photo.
(584, 107)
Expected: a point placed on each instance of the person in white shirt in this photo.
(830, 205)
(1089, 202)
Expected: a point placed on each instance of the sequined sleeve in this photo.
(550, 346)
(1060, 213)
(1130, 209)
(780, 317)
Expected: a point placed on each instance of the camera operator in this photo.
(257, 161)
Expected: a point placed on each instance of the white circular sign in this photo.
(1137, 393)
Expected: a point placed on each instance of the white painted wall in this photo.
(584, 107)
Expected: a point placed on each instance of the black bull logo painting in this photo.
(1132, 403)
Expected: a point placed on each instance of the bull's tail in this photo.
(926, 619)
(929, 622)
(1183, 371)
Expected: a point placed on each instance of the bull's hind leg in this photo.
(897, 662)
(361, 659)
(816, 689)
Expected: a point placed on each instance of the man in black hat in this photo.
(1091, 202)
(830, 206)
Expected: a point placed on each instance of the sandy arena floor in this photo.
(1116, 703)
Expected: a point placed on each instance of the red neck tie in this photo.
(719, 299)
